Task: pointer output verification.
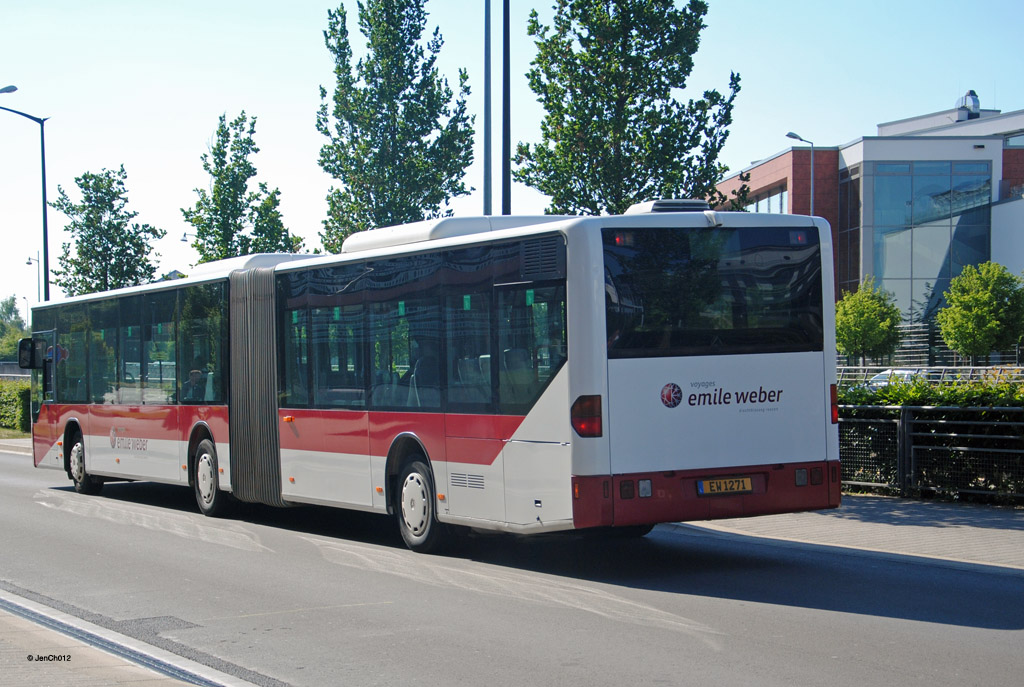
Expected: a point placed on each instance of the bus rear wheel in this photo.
(206, 483)
(416, 511)
(84, 482)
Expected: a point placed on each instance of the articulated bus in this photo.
(520, 374)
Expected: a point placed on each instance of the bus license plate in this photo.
(729, 485)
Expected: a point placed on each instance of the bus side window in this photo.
(531, 341)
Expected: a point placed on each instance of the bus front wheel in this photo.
(84, 482)
(416, 511)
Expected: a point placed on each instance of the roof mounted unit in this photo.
(668, 205)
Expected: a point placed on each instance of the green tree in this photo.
(229, 219)
(110, 251)
(867, 322)
(397, 142)
(985, 311)
(10, 317)
(614, 133)
(12, 328)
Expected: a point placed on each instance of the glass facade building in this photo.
(928, 219)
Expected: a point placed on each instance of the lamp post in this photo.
(36, 261)
(42, 157)
(798, 137)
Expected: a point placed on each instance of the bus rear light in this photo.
(586, 416)
(626, 489)
(817, 476)
(833, 394)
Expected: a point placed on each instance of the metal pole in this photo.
(487, 107)
(42, 153)
(46, 242)
(506, 140)
(812, 178)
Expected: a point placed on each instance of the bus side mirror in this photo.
(28, 355)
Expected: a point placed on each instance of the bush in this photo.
(973, 394)
(15, 398)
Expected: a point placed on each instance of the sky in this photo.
(142, 84)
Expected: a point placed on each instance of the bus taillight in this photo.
(834, 397)
(586, 416)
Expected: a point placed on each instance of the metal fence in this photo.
(851, 375)
(949, 450)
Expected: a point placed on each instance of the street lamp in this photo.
(185, 235)
(36, 261)
(798, 137)
(42, 157)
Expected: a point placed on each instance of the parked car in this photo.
(887, 377)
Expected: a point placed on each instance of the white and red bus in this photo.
(523, 374)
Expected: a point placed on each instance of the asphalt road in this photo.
(313, 596)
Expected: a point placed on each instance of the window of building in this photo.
(930, 218)
(774, 201)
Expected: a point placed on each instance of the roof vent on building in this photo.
(968, 106)
(668, 205)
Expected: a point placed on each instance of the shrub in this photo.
(973, 394)
(15, 405)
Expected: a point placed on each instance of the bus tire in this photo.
(416, 510)
(84, 482)
(206, 483)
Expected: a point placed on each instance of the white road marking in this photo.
(178, 524)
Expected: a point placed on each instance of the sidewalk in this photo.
(961, 533)
(23, 446)
(42, 646)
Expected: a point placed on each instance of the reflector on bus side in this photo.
(834, 399)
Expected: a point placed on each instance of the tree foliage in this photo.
(229, 219)
(109, 250)
(397, 142)
(867, 322)
(12, 328)
(615, 134)
(985, 310)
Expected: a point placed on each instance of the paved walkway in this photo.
(956, 532)
(960, 534)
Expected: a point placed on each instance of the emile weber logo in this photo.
(710, 394)
(126, 443)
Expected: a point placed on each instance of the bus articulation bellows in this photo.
(521, 374)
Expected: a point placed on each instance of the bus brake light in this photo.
(586, 416)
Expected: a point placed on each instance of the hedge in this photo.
(973, 394)
(15, 406)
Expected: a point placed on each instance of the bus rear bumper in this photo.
(681, 495)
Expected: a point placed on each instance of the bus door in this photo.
(45, 429)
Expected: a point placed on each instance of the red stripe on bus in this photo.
(461, 438)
